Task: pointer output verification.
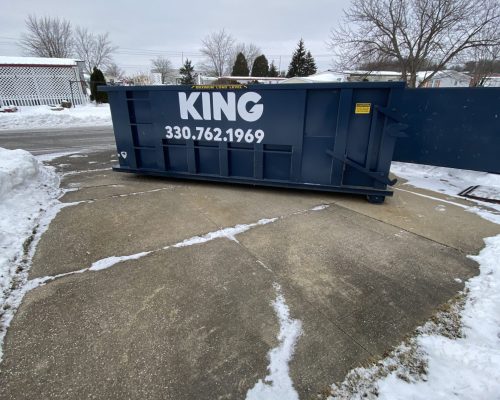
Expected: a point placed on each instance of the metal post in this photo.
(71, 90)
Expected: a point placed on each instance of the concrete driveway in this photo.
(195, 319)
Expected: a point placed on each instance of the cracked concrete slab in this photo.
(192, 322)
(87, 232)
(230, 205)
(440, 221)
(364, 280)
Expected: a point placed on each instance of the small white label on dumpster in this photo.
(363, 108)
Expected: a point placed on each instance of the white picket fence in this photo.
(22, 85)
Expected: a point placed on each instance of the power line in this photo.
(180, 53)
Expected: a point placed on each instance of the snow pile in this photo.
(278, 385)
(43, 117)
(435, 364)
(27, 190)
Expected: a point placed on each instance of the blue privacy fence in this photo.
(451, 127)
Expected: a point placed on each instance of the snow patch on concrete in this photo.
(229, 233)
(320, 207)
(278, 385)
(110, 261)
(264, 266)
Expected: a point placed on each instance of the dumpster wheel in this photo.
(375, 199)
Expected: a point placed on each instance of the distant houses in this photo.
(252, 79)
(320, 77)
(347, 76)
(32, 81)
(492, 81)
(446, 78)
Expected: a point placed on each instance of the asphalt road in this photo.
(47, 141)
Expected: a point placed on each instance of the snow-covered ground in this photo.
(449, 181)
(43, 117)
(452, 181)
(457, 356)
(28, 195)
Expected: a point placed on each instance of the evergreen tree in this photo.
(260, 66)
(273, 71)
(302, 63)
(296, 67)
(187, 73)
(310, 67)
(97, 79)
(240, 67)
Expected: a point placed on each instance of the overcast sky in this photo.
(145, 29)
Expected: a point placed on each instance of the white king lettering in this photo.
(214, 104)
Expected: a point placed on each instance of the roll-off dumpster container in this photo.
(336, 137)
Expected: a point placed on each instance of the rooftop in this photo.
(6, 60)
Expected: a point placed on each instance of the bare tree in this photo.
(217, 47)
(162, 66)
(483, 62)
(250, 51)
(94, 50)
(47, 37)
(114, 71)
(417, 34)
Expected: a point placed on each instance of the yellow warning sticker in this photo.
(363, 108)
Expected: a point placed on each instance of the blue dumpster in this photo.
(335, 137)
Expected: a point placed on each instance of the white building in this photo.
(32, 81)
(347, 76)
(446, 78)
(252, 79)
(155, 78)
(320, 77)
(492, 81)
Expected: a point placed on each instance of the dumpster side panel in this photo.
(121, 123)
(319, 134)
